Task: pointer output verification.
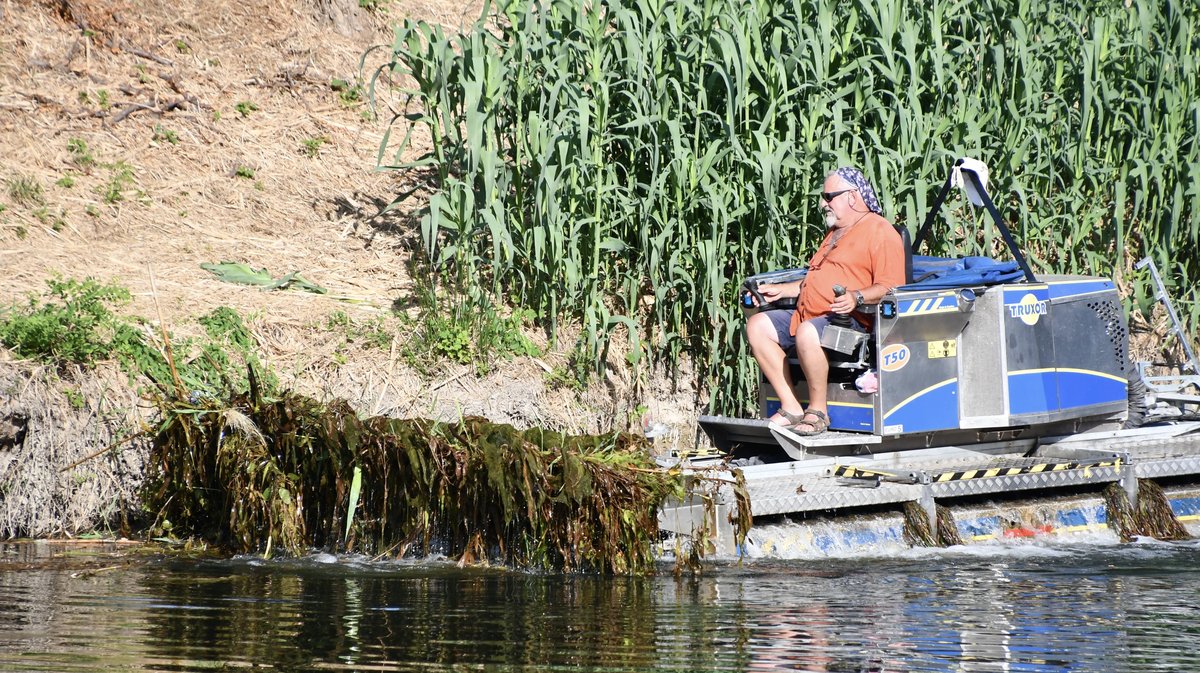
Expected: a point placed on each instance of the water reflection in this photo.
(1099, 609)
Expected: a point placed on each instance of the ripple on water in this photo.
(1029, 606)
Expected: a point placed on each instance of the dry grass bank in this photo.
(139, 140)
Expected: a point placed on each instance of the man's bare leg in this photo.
(764, 343)
(816, 370)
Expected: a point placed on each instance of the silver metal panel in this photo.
(826, 494)
(982, 386)
(727, 433)
(798, 447)
(1181, 435)
(1170, 467)
(1028, 346)
(1115, 408)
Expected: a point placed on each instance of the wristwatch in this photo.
(858, 299)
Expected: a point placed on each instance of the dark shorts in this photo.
(782, 320)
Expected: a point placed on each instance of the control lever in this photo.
(751, 287)
(840, 319)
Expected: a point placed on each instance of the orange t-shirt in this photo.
(869, 252)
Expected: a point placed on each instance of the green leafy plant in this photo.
(225, 355)
(244, 172)
(349, 93)
(245, 107)
(66, 181)
(576, 373)
(372, 333)
(312, 146)
(80, 154)
(120, 178)
(165, 135)
(72, 324)
(74, 398)
(25, 190)
(182, 47)
(75, 323)
(102, 99)
(465, 333)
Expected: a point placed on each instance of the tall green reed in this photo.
(625, 165)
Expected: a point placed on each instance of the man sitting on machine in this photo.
(864, 254)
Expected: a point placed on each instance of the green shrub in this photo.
(73, 324)
(225, 355)
(466, 333)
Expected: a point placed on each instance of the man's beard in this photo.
(830, 219)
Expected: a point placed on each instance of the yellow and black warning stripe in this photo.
(851, 472)
(985, 472)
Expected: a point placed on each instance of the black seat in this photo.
(906, 241)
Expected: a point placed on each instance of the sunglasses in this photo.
(829, 196)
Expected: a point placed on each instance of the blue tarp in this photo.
(932, 273)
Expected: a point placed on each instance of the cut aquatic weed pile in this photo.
(626, 164)
(251, 473)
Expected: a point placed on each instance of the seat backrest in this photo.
(906, 241)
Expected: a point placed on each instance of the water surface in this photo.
(1025, 607)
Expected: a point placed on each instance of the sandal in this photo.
(792, 419)
(820, 425)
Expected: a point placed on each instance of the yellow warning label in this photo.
(947, 348)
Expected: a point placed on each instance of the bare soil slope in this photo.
(139, 140)
(215, 131)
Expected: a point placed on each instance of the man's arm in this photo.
(775, 291)
(872, 294)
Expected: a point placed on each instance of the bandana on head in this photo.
(859, 181)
